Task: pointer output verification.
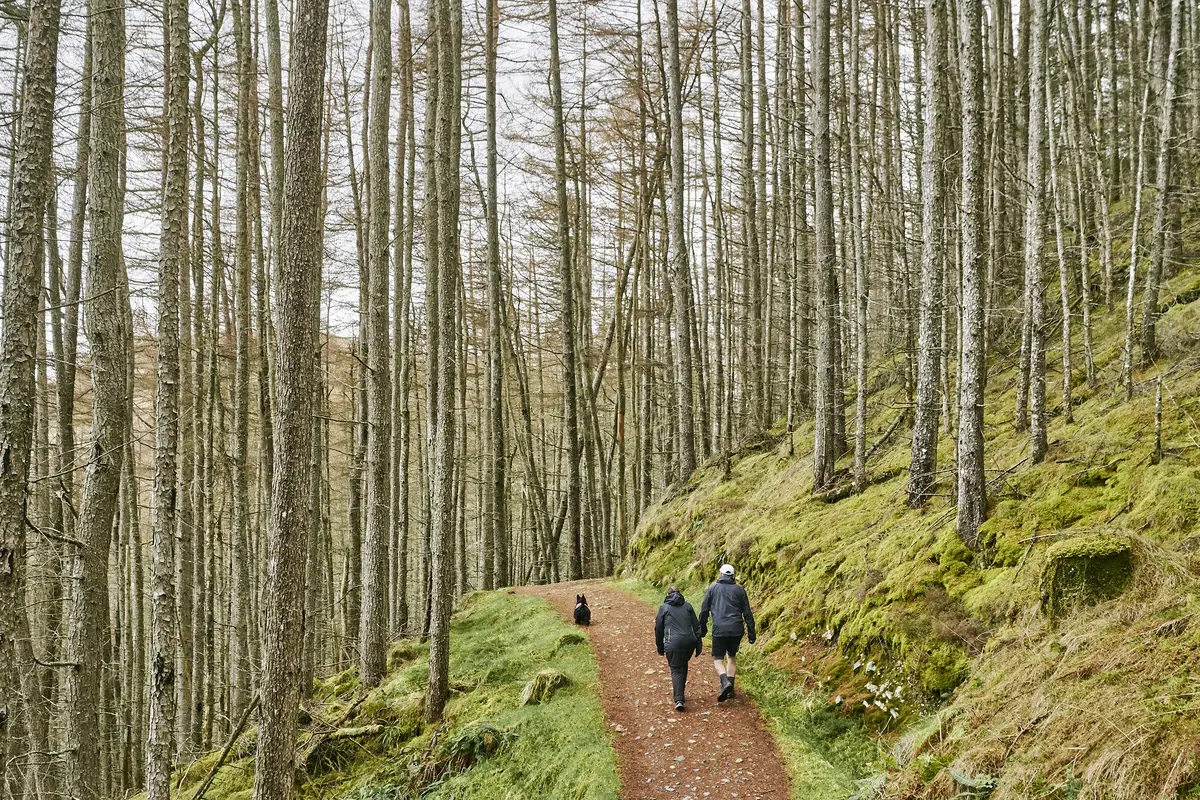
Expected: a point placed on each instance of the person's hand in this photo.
(699, 648)
(661, 652)
(752, 638)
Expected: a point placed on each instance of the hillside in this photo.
(1060, 661)
(505, 733)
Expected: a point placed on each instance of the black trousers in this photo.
(678, 658)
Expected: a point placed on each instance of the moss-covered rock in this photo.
(1085, 571)
(543, 686)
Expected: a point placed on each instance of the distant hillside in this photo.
(1061, 661)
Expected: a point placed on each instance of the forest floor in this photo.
(711, 750)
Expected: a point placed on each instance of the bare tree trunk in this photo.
(574, 488)
(825, 447)
(678, 257)
(172, 261)
(105, 315)
(375, 556)
(296, 338)
(972, 487)
(496, 538)
(442, 281)
(1162, 196)
(1035, 289)
(33, 182)
(923, 468)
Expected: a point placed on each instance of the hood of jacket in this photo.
(674, 599)
(726, 579)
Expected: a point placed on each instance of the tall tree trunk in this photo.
(443, 275)
(240, 617)
(923, 466)
(825, 446)
(1035, 290)
(33, 183)
(173, 254)
(678, 258)
(296, 340)
(574, 488)
(972, 487)
(373, 629)
(1162, 195)
(105, 313)
(496, 529)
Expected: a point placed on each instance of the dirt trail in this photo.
(711, 750)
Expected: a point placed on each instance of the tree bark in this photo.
(443, 275)
(173, 254)
(825, 446)
(1035, 289)
(33, 181)
(296, 340)
(375, 555)
(923, 466)
(972, 487)
(105, 314)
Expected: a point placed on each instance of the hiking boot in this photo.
(679, 705)
(726, 689)
(731, 681)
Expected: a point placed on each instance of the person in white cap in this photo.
(726, 602)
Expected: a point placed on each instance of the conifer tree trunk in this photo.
(1035, 290)
(496, 530)
(33, 181)
(373, 628)
(240, 616)
(401, 360)
(173, 254)
(825, 447)
(574, 487)
(972, 488)
(105, 313)
(443, 275)
(296, 339)
(1163, 172)
(678, 257)
(923, 466)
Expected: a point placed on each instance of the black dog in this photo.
(583, 613)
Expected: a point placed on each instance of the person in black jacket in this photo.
(677, 635)
(729, 607)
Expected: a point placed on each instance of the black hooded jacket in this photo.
(676, 626)
(729, 606)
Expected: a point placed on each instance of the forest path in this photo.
(711, 750)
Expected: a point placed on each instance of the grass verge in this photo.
(490, 746)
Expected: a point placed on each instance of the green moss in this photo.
(1168, 500)
(1084, 571)
(943, 668)
(490, 746)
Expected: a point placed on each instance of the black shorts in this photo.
(725, 646)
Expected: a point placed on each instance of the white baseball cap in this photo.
(727, 569)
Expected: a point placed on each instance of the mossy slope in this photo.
(880, 610)
(490, 745)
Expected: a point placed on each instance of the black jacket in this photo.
(676, 626)
(728, 604)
